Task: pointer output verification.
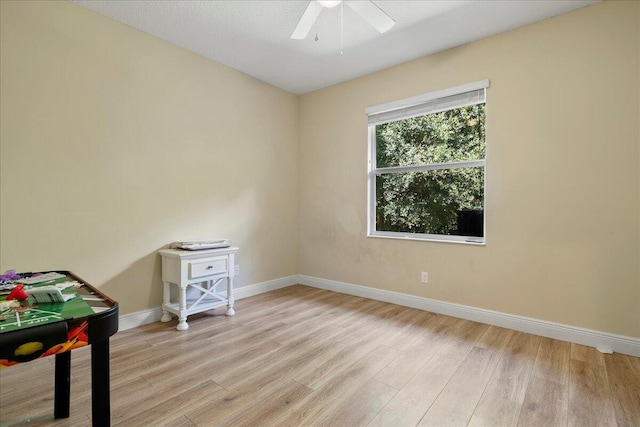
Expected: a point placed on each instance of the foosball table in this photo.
(62, 313)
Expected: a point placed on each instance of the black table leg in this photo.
(62, 391)
(100, 387)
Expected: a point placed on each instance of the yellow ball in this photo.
(28, 348)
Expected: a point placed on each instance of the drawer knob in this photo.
(209, 267)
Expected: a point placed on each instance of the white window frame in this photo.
(432, 102)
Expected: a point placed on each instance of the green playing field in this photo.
(32, 314)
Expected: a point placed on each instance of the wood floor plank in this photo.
(308, 326)
(218, 409)
(360, 407)
(270, 408)
(623, 373)
(511, 378)
(433, 335)
(462, 336)
(33, 373)
(361, 340)
(374, 316)
(201, 326)
(333, 365)
(400, 371)
(179, 421)
(410, 404)
(590, 402)
(587, 354)
(288, 360)
(552, 361)
(133, 396)
(546, 399)
(545, 404)
(495, 338)
(329, 392)
(238, 349)
(459, 398)
(495, 411)
(415, 329)
(185, 400)
(138, 396)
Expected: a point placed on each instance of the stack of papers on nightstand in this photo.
(196, 245)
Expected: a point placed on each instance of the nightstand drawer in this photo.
(207, 267)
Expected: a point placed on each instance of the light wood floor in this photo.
(302, 356)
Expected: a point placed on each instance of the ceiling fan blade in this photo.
(372, 14)
(306, 22)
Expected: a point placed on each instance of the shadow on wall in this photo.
(135, 289)
(137, 285)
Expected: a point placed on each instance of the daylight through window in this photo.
(427, 166)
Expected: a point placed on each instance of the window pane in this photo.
(447, 202)
(447, 136)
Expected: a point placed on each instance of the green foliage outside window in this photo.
(430, 201)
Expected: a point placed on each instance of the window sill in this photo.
(427, 238)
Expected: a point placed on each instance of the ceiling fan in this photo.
(365, 8)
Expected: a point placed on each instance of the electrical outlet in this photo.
(425, 277)
(236, 270)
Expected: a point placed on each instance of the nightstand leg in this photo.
(182, 317)
(230, 301)
(166, 299)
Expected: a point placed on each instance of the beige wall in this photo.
(132, 143)
(562, 201)
(136, 143)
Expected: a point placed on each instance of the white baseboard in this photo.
(603, 341)
(260, 288)
(139, 318)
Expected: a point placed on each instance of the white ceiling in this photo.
(254, 36)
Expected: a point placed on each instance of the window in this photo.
(427, 166)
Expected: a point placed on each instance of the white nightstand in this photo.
(197, 273)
